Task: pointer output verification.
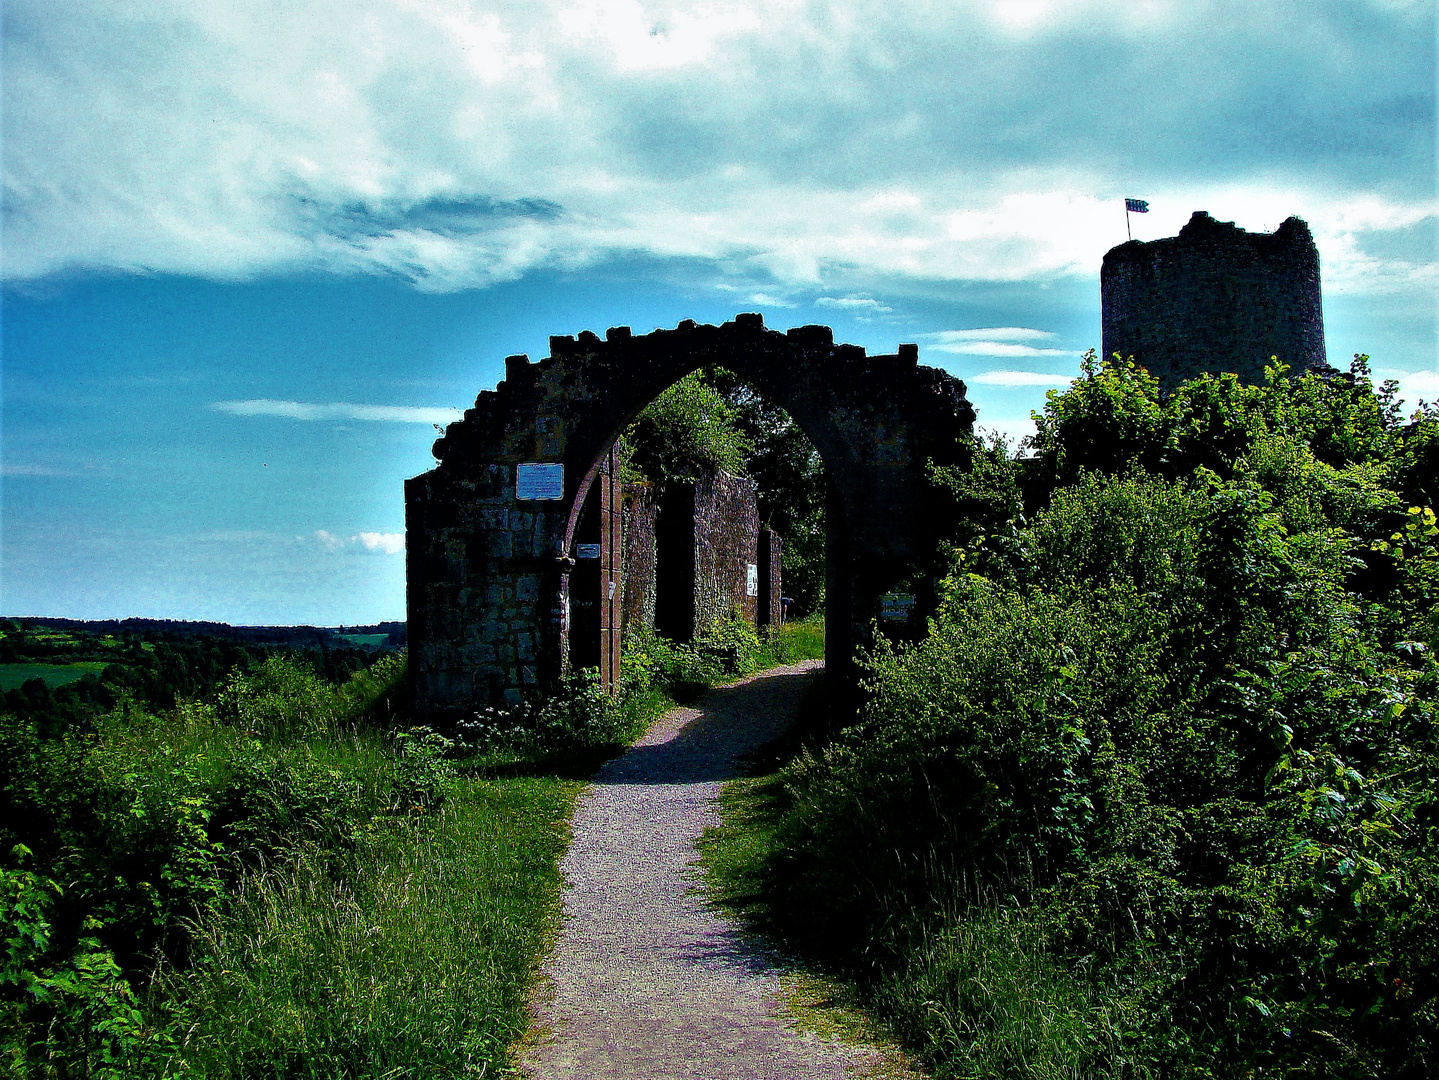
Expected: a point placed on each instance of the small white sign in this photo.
(540, 480)
(587, 551)
(751, 580)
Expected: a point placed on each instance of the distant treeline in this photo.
(293, 637)
(157, 663)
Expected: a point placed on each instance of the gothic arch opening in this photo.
(490, 529)
(687, 517)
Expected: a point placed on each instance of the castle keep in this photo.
(1215, 298)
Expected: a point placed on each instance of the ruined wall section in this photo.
(476, 548)
(771, 579)
(1215, 298)
(726, 546)
(488, 572)
(638, 604)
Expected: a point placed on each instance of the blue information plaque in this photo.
(540, 480)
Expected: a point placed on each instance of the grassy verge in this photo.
(288, 883)
(414, 959)
(799, 639)
(738, 859)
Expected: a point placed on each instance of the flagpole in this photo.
(1126, 220)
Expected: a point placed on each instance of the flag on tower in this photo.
(1138, 206)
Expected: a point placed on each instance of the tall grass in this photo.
(287, 883)
(413, 960)
(980, 995)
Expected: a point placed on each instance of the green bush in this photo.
(93, 1023)
(1157, 788)
(731, 643)
(144, 826)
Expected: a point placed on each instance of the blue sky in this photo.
(254, 252)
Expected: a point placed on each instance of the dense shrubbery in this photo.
(130, 843)
(288, 880)
(1158, 789)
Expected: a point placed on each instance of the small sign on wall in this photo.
(540, 480)
(896, 606)
(587, 551)
(751, 580)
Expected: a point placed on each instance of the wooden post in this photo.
(611, 562)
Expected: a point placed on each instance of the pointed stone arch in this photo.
(488, 571)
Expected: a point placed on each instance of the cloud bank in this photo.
(338, 410)
(1019, 378)
(455, 144)
(383, 543)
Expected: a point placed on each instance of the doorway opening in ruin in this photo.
(493, 530)
(710, 505)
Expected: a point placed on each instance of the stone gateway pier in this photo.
(492, 532)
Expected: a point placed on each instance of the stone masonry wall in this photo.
(639, 556)
(771, 582)
(1215, 298)
(726, 546)
(483, 551)
(489, 564)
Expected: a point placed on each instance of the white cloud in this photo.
(1019, 378)
(999, 348)
(995, 341)
(14, 468)
(389, 543)
(1419, 384)
(459, 145)
(384, 543)
(855, 303)
(992, 333)
(338, 410)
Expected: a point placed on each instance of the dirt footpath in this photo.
(647, 982)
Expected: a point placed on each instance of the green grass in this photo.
(414, 961)
(365, 639)
(13, 676)
(804, 638)
(799, 639)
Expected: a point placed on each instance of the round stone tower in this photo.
(1215, 298)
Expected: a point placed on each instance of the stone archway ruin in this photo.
(490, 531)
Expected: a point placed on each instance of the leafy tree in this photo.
(691, 427)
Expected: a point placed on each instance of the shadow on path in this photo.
(714, 733)
(646, 980)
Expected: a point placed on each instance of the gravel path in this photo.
(647, 981)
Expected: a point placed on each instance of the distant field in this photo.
(13, 675)
(365, 639)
